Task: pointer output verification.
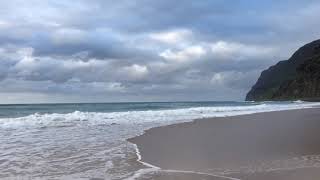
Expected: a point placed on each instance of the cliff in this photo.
(295, 78)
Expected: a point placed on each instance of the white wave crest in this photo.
(142, 117)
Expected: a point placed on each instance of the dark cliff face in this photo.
(296, 78)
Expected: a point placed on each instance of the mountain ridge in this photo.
(292, 79)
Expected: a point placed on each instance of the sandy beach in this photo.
(272, 145)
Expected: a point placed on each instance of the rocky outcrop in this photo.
(305, 86)
(296, 78)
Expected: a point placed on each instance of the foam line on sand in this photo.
(153, 168)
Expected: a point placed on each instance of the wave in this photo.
(80, 139)
(141, 117)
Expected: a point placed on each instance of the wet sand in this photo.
(295, 174)
(273, 145)
(180, 176)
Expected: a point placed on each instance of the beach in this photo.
(174, 140)
(270, 145)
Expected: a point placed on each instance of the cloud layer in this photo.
(101, 50)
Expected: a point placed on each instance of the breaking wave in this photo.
(78, 118)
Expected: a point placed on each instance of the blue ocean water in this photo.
(87, 141)
(18, 110)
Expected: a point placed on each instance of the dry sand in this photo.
(273, 145)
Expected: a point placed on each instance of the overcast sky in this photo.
(145, 50)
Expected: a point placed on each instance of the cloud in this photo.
(69, 36)
(134, 72)
(146, 50)
(171, 37)
(232, 50)
(234, 79)
(189, 53)
(5, 24)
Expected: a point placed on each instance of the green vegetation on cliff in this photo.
(296, 78)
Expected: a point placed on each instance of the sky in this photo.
(145, 50)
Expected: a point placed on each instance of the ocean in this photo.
(88, 141)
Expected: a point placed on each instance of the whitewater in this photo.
(88, 141)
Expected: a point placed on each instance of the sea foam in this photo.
(53, 144)
(78, 118)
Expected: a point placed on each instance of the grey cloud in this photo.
(143, 50)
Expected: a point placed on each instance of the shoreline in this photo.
(161, 168)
